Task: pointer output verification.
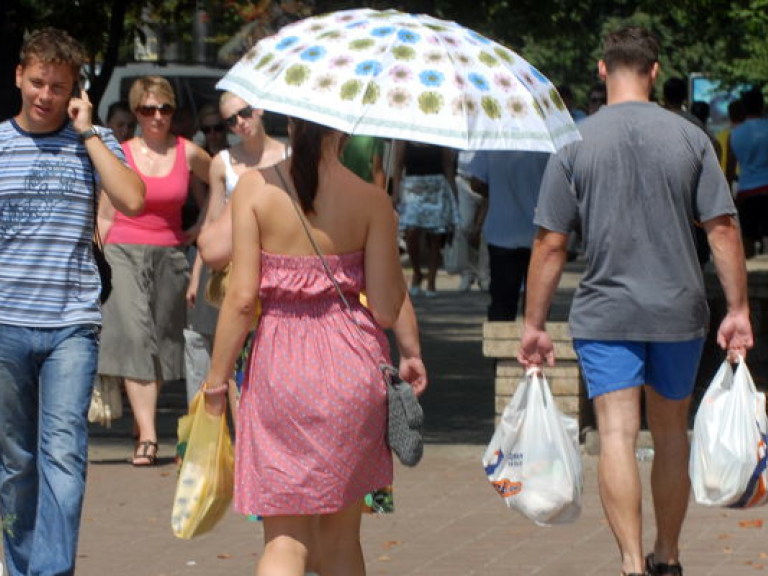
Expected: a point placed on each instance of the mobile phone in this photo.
(77, 89)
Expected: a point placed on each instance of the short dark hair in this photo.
(675, 91)
(630, 47)
(700, 109)
(753, 102)
(53, 46)
(736, 112)
(119, 106)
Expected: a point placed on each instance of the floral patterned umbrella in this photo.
(404, 76)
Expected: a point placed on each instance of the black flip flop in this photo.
(658, 569)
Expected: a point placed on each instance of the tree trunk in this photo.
(116, 31)
(11, 39)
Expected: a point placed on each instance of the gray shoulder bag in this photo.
(405, 415)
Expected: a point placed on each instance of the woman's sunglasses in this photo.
(149, 111)
(244, 113)
(213, 128)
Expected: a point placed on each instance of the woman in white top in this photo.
(256, 149)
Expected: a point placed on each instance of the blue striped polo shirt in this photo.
(48, 277)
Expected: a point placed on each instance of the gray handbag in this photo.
(405, 417)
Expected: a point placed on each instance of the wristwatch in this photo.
(90, 133)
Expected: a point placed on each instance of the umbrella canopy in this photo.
(404, 76)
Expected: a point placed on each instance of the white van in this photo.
(194, 85)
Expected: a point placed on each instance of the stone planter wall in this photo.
(501, 341)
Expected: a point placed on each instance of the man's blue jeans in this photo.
(46, 379)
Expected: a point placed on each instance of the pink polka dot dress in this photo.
(313, 411)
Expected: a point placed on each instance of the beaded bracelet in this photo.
(215, 390)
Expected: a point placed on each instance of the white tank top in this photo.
(230, 178)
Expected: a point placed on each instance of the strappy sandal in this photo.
(658, 569)
(146, 454)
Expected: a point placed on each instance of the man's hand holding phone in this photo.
(80, 110)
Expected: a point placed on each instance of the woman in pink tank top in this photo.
(142, 340)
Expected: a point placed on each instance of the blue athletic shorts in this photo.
(669, 367)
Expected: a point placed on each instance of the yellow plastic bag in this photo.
(206, 473)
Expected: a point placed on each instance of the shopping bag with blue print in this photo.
(728, 464)
(533, 460)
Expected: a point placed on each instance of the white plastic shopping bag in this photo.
(455, 254)
(728, 450)
(533, 460)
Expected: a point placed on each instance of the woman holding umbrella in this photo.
(312, 416)
(312, 413)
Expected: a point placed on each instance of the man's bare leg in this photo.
(670, 484)
(618, 423)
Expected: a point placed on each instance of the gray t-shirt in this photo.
(632, 183)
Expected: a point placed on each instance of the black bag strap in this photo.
(302, 218)
(386, 369)
(94, 188)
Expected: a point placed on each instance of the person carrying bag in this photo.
(206, 471)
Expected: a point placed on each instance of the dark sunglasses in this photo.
(213, 128)
(148, 111)
(244, 113)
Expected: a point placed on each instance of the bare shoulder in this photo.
(251, 179)
(249, 189)
(192, 150)
(217, 163)
(375, 197)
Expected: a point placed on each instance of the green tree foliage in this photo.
(725, 38)
(750, 54)
(562, 37)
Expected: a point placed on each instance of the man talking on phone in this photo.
(53, 160)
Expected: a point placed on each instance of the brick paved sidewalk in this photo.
(448, 522)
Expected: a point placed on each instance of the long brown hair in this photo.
(306, 146)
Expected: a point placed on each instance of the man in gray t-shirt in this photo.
(636, 184)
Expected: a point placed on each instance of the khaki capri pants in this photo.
(144, 318)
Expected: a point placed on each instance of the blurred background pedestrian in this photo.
(749, 150)
(424, 190)
(121, 120)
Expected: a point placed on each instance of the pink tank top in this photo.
(160, 223)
